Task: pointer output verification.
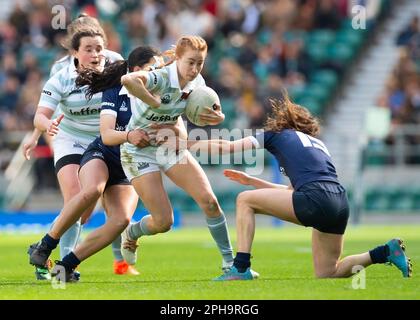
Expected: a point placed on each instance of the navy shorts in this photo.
(322, 205)
(111, 157)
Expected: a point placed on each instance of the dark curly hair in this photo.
(288, 115)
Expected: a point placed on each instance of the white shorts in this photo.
(137, 162)
(65, 144)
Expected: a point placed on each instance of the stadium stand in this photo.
(399, 100)
(255, 48)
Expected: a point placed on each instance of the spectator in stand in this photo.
(413, 29)
(293, 59)
(326, 15)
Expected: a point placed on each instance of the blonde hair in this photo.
(191, 42)
(288, 115)
(184, 43)
(83, 23)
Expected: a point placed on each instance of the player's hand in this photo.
(214, 115)
(139, 138)
(238, 176)
(161, 132)
(28, 147)
(53, 127)
(131, 245)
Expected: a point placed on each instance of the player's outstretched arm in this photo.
(246, 179)
(220, 146)
(214, 146)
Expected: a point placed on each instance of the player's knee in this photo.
(70, 191)
(91, 193)
(210, 204)
(243, 198)
(164, 224)
(122, 222)
(213, 205)
(165, 227)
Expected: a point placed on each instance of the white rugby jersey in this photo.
(81, 117)
(65, 61)
(163, 82)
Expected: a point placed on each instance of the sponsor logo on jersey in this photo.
(46, 92)
(161, 117)
(120, 128)
(110, 104)
(166, 98)
(98, 154)
(142, 165)
(85, 111)
(123, 107)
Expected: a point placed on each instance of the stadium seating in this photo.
(318, 92)
(392, 199)
(325, 77)
(350, 36)
(376, 200)
(312, 104)
(375, 153)
(341, 53)
(317, 53)
(228, 105)
(330, 53)
(320, 36)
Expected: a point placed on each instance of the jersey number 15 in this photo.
(309, 141)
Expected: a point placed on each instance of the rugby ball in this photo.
(197, 102)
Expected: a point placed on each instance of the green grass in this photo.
(181, 264)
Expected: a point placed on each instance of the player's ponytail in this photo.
(101, 81)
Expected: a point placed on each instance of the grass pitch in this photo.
(181, 264)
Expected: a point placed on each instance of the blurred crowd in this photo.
(251, 55)
(402, 92)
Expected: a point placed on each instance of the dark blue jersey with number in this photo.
(302, 157)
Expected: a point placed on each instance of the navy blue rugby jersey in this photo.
(302, 157)
(117, 103)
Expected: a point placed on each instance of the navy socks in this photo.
(70, 261)
(50, 242)
(379, 254)
(242, 261)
